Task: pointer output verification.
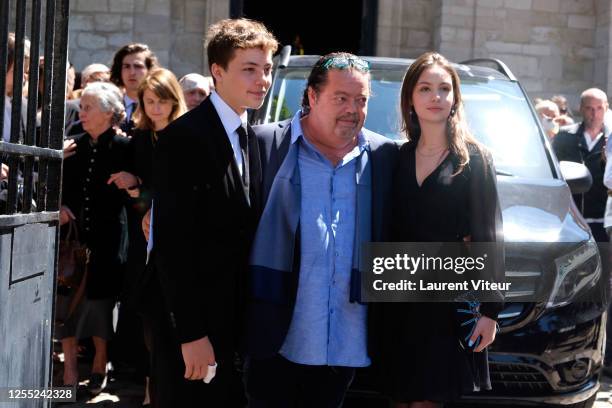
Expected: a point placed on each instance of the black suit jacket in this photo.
(569, 144)
(141, 165)
(203, 227)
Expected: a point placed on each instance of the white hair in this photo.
(92, 69)
(109, 98)
(195, 81)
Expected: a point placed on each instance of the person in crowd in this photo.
(306, 327)
(26, 66)
(160, 101)
(8, 92)
(91, 73)
(607, 224)
(549, 113)
(94, 73)
(97, 205)
(205, 206)
(584, 143)
(7, 119)
(444, 191)
(130, 65)
(565, 114)
(195, 89)
(70, 81)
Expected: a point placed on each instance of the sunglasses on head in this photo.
(343, 62)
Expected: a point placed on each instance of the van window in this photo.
(497, 111)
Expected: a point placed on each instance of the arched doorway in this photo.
(321, 26)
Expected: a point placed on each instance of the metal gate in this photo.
(29, 217)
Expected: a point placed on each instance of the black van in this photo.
(549, 351)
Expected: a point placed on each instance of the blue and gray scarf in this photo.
(272, 255)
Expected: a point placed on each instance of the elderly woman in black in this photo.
(94, 201)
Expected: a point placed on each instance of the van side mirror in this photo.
(577, 176)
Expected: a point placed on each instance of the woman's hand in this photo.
(487, 328)
(69, 148)
(133, 192)
(66, 215)
(4, 171)
(120, 132)
(123, 180)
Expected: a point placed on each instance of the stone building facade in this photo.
(174, 29)
(552, 46)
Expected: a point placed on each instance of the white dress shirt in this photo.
(607, 180)
(591, 142)
(231, 120)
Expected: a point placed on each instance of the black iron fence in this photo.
(30, 195)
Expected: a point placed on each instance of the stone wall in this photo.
(552, 46)
(174, 29)
(405, 27)
(603, 44)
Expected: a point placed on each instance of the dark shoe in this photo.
(97, 382)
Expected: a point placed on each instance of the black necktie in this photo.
(244, 147)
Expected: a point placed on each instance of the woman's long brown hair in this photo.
(458, 134)
(164, 85)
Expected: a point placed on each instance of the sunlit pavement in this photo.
(604, 397)
(127, 394)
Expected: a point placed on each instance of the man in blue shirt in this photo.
(326, 186)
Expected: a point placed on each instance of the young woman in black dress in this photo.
(444, 191)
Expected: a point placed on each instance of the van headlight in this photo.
(577, 270)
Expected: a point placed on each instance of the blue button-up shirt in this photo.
(326, 328)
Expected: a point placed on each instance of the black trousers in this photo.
(279, 383)
(169, 388)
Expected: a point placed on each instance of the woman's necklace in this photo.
(431, 152)
(441, 154)
(435, 153)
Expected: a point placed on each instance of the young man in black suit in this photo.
(206, 205)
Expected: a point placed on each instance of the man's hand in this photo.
(4, 170)
(197, 355)
(123, 180)
(66, 215)
(69, 148)
(146, 224)
(487, 328)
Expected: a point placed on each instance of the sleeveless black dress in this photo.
(418, 353)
